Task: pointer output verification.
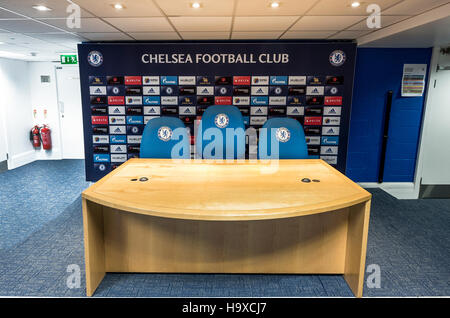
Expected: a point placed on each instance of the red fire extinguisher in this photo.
(35, 137)
(46, 137)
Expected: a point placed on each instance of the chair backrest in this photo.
(221, 133)
(164, 137)
(288, 134)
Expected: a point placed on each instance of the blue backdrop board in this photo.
(124, 85)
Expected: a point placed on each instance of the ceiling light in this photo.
(355, 4)
(118, 6)
(41, 8)
(274, 4)
(196, 5)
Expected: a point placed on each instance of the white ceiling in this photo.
(23, 29)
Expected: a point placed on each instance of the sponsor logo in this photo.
(330, 131)
(260, 90)
(97, 80)
(135, 130)
(187, 111)
(241, 91)
(314, 80)
(115, 90)
(330, 140)
(274, 100)
(295, 111)
(148, 118)
(312, 140)
(297, 90)
(313, 111)
(277, 90)
(223, 80)
(334, 111)
(133, 80)
(117, 120)
(333, 100)
(187, 120)
(130, 100)
(134, 139)
(221, 120)
(332, 121)
(100, 130)
(337, 58)
(187, 90)
(274, 111)
(118, 149)
(259, 100)
(260, 80)
(151, 90)
(99, 120)
(152, 110)
(131, 155)
(97, 90)
(96, 139)
(334, 80)
(205, 90)
(95, 58)
(329, 150)
(223, 90)
(169, 90)
(119, 139)
(169, 80)
(116, 100)
(169, 110)
(165, 133)
(314, 100)
(150, 80)
(258, 121)
(241, 80)
(313, 150)
(115, 80)
(134, 149)
(117, 130)
(205, 80)
(135, 120)
(98, 110)
(244, 110)
(331, 160)
(101, 158)
(223, 100)
(313, 121)
(98, 100)
(258, 111)
(186, 100)
(295, 100)
(332, 90)
(278, 80)
(118, 158)
(186, 80)
(315, 90)
(297, 80)
(283, 134)
(152, 100)
(166, 100)
(100, 166)
(205, 100)
(313, 131)
(241, 100)
(134, 110)
(133, 90)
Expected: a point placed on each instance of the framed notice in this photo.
(413, 82)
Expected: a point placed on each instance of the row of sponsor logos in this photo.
(214, 90)
(216, 80)
(198, 110)
(217, 100)
(139, 120)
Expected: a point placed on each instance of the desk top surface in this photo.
(236, 191)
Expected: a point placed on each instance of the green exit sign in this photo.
(69, 59)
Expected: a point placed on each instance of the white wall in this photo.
(434, 151)
(15, 105)
(3, 144)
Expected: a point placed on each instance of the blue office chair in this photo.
(221, 133)
(165, 137)
(288, 134)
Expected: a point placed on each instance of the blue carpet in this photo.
(408, 239)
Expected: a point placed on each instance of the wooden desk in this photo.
(241, 217)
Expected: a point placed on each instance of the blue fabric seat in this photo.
(221, 133)
(285, 132)
(165, 137)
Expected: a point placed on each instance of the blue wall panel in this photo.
(377, 71)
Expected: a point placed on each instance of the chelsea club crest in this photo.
(165, 133)
(95, 58)
(283, 134)
(221, 120)
(337, 58)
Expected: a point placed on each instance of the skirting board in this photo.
(399, 190)
(21, 159)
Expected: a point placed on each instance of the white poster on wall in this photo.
(413, 82)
